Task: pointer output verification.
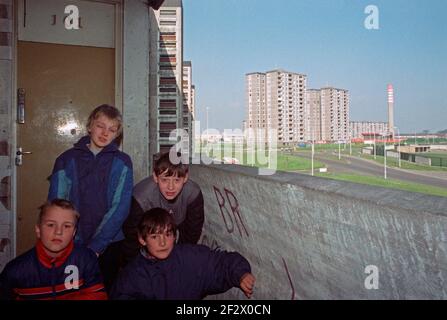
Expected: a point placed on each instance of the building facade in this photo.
(255, 100)
(276, 100)
(313, 100)
(188, 105)
(334, 114)
(166, 68)
(360, 128)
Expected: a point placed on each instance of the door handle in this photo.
(19, 156)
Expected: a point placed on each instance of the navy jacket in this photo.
(186, 208)
(34, 275)
(99, 186)
(190, 272)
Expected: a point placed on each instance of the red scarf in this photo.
(47, 260)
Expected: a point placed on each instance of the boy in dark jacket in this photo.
(56, 268)
(164, 270)
(169, 188)
(98, 178)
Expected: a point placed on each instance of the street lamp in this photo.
(350, 141)
(313, 152)
(339, 150)
(374, 145)
(384, 155)
(313, 147)
(398, 148)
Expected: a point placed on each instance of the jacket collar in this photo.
(48, 261)
(84, 141)
(146, 255)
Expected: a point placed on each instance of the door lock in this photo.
(19, 156)
(21, 105)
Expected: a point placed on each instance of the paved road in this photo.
(367, 167)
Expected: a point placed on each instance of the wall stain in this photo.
(5, 194)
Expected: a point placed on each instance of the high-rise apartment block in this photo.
(334, 114)
(276, 101)
(165, 74)
(193, 102)
(255, 99)
(280, 100)
(188, 102)
(313, 100)
(328, 114)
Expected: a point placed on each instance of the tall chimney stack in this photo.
(391, 110)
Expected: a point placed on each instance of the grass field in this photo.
(389, 183)
(393, 162)
(284, 162)
(435, 154)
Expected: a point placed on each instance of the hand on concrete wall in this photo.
(247, 283)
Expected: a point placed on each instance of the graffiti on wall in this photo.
(227, 204)
(232, 219)
(290, 279)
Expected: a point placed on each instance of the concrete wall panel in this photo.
(312, 238)
(136, 86)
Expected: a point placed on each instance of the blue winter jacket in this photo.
(100, 188)
(190, 272)
(35, 275)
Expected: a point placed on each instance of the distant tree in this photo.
(443, 131)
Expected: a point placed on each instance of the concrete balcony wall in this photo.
(313, 238)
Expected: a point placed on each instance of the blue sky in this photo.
(327, 41)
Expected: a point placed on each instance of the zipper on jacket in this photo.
(53, 285)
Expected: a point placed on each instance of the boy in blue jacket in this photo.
(98, 178)
(164, 270)
(55, 268)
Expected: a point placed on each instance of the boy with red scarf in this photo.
(55, 268)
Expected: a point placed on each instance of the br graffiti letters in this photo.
(230, 220)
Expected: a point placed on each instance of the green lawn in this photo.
(388, 183)
(294, 163)
(438, 158)
(327, 154)
(393, 162)
(288, 163)
(332, 147)
(435, 154)
(411, 140)
(283, 162)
